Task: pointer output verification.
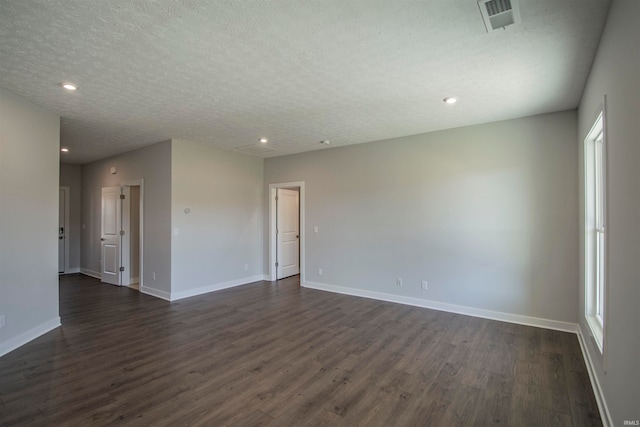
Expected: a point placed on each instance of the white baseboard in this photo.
(469, 311)
(607, 421)
(156, 293)
(215, 287)
(134, 280)
(91, 273)
(33, 333)
(71, 271)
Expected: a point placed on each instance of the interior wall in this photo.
(222, 232)
(71, 176)
(615, 73)
(29, 164)
(486, 214)
(153, 165)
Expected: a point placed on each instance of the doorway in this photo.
(286, 230)
(122, 234)
(131, 220)
(63, 230)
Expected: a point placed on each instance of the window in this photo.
(595, 229)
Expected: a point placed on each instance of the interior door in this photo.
(61, 232)
(125, 240)
(288, 232)
(110, 236)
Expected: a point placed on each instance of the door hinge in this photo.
(277, 198)
(122, 196)
(121, 268)
(276, 264)
(122, 232)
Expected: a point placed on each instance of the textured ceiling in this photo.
(225, 73)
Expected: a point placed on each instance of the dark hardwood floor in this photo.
(278, 354)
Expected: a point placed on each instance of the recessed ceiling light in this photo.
(64, 150)
(450, 100)
(264, 140)
(68, 86)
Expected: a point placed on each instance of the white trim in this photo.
(215, 287)
(271, 273)
(134, 280)
(90, 273)
(70, 271)
(451, 308)
(67, 194)
(27, 336)
(598, 333)
(155, 293)
(605, 415)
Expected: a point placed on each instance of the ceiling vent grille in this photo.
(499, 13)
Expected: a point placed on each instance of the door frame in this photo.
(273, 225)
(127, 230)
(67, 192)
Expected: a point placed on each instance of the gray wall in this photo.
(616, 74)
(486, 214)
(153, 164)
(223, 230)
(71, 176)
(29, 159)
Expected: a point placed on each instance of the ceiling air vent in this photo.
(499, 13)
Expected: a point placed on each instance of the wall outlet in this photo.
(153, 275)
(399, 281)
(2, 321)
(425, 286)
(319, 272)
(246, 267)
(315, 229)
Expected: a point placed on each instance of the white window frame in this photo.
(595, 256)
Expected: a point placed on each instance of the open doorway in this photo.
(286, 230)
(123, 235)
(63, 230)
(131, 254)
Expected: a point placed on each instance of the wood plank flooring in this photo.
(280, 355)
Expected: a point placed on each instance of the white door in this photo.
(287, 232)
(61, 232)
(110, 238)
(125, 241)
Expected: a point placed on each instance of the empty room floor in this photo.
(278, 354)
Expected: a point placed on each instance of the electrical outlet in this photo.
(399, 281)
(153, 275)
(246, 267)
(319, 272)
(2, 321)
(425, 286)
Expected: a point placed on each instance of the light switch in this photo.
(315, 229)
(176, 231)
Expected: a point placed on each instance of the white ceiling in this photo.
(225, 73)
